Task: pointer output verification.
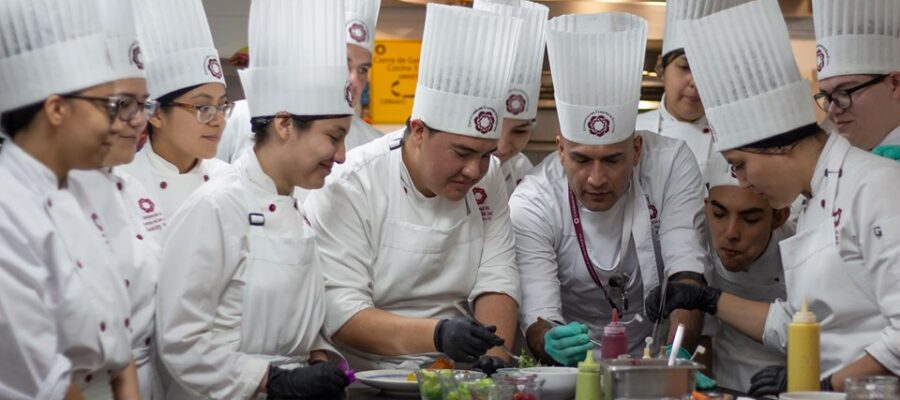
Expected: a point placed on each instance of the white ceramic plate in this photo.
(389, 380)
(811, 396)
(559, 381)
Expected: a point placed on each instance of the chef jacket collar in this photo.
(669, 117)
(818, 181)
(162, 165)
(892, 138)
(260, 181)
(28, 169)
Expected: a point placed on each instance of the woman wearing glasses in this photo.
(858, 63)
(844, 260)
(64, 307)
(184, 75)
(116, 201)
(241, 292)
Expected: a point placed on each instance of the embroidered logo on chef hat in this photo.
(213, 67)
(358, 31)
(599, 123)
(348, 94)
(146, 205)
(516, 102)
(821, 58)
(484, 120)
(136, 56)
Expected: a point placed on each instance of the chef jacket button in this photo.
(147, 341)
(823, 203)
(49, 203)
(272, 207)
(140, 237)
(103, 327)
(163, 185)
(705, 130)
(127, 283)
(88, 378)
(205, 178)
(119, 186)
(78, 264)
(127, 322)
(295, 205)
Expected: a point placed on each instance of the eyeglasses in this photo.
(843, 98)
(206, 112)
(123, 108)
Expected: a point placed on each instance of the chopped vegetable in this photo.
(430, 386)
(442, 363)
(526, 361)
(411, 377)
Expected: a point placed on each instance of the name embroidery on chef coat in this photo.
(481, 197)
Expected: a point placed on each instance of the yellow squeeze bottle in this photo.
(803, 352)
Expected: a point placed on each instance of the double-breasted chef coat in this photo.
(667, 237)
(240, 287)
(389, 247)
(844, 260)
(68, 260)
(696, 134)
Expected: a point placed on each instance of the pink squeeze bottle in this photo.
(614, 341)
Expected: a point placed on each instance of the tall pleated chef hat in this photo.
(49, 47)
(177, 45)
(525, 86)
(745, 73)
(118, 22)
(596, 61)
(718, 172)
(464, 70)
(298, 58)
(856, 37)
(680, 11)
(361, 17)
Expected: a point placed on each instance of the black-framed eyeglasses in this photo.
(843, 98)
(206, 112)
(123, 108)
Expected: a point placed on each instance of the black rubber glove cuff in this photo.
(437, 335)
(825, 384)
(710, 302)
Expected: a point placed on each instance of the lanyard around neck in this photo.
(624, 241)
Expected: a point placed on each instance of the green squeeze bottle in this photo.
(587, 386)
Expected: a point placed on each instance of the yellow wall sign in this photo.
(395, 69)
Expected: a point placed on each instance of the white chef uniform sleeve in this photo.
(497, 272)
(33, 364)
(535, 219)
(204, 246)
(879, 242)
(775, 332)
(340, 214)
(682, 227)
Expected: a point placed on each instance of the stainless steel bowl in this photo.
(647, 379)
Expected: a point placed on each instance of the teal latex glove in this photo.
(703, 382)
(888, 151)
(568, 344)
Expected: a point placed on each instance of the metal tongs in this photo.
(662, 305)
(465, 312)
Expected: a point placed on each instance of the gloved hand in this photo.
(322, 380)
(490, 364)
(567, 344)
(684, 296)
(771, 380)
(888, 151)
(463, 340)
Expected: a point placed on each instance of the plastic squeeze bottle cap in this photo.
(614, 327)
(804, 316)
(588, 365)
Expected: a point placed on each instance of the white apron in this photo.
(841, 298)
(421, 271)
(281, 311)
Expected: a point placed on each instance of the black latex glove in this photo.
(490, 364)
(683, 296)
(320, 381)
(771, 380)
(463, 340)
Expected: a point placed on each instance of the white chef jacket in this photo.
(696, 134)
(166, 184)
(514, 170)
(668, 235)
(204, 341)
(853, 293)
(69, 268)
(737, 356)
(892, 138)
(369, 210)
(238, 136)
(118, 203)
(34, 366)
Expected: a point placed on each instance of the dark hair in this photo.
(15, 120)
(259, 125)
(167, 99)
(671, 56)
(788, 138)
